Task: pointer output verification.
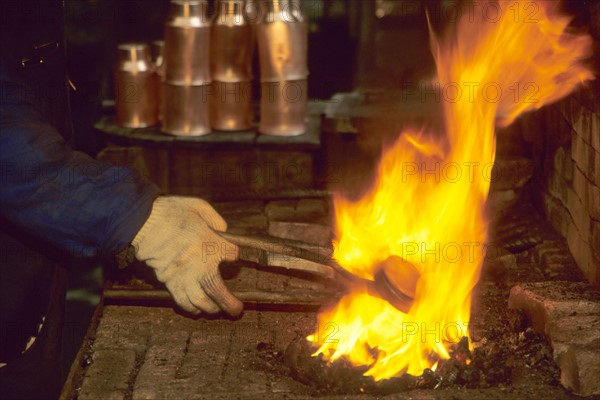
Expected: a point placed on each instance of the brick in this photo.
(595, 242)
(568, 314)
(595, 136)
(576, 344)
(248, 225)
(579, 213)
(554, 258)
(557, 186)
(198, 359)
(581, 121)
(594, 274)
(306, 210)
(580, 249)
(594, 202)
(569, 164)
(235, 208)
(546, 248)
(120, 335)
(255, 381)
(179, 363)
(108, 375)
(545, 302)
(162, 359)
(557, 213)
(579, 182)
(595, 172)
(563, 164)
(580, 151)
(301, 231)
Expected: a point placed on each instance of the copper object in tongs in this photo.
(399, 293)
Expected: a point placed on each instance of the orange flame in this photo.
(427, 203)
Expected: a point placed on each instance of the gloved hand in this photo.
(179, 243)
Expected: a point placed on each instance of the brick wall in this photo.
(566, 149)
(565, 141)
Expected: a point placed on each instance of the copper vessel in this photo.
(231, 106)
(283, 108)
(187, 109)
(232, 45)
(136, 85)
(282, 37)
(187, 43)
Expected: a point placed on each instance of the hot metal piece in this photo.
(136, 85)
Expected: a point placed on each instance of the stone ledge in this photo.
(568, 313)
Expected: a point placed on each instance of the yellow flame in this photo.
(427, 202)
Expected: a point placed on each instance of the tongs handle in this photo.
(289, 257)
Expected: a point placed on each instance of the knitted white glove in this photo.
(179, 243)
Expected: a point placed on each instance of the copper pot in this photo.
(282, 37)
(187, 109)
(187, 43)
(231, 106)
(232, 43)
(283, 108)
(136, 85)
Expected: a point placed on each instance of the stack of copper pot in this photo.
(205, 66)
(282, 36)
(187, 81)
(231, 48)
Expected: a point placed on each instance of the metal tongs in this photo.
(272, 252)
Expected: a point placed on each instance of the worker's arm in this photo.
(93, 208)
(66, 197)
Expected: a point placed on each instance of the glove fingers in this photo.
(210, 215)
(200, 300)
(215, 288)
(182, 300)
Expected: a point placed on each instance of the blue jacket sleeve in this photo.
(66, 197)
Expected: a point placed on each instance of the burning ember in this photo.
(427, 202)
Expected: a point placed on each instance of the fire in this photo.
(427, 202)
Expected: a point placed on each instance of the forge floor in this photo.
(143, 352)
